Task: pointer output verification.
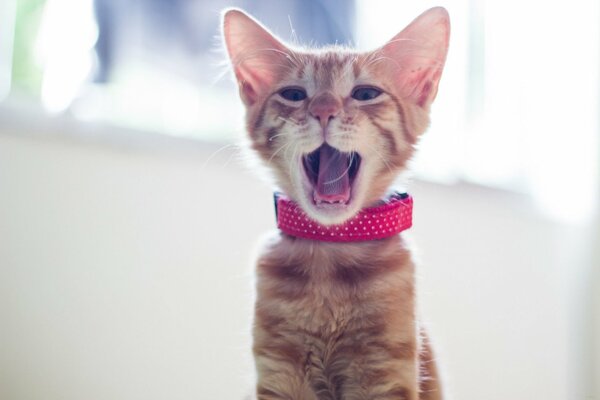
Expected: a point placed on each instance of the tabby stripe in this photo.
(259, 120)
(272, 131)
(387, 135)
(407, 134)
(356, 69)
(300, 73)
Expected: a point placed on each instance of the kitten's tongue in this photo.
(333, 181)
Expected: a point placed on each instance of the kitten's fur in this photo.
(337, 320)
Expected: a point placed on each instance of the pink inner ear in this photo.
(257, 56)
(418, 54)
(425, 93)
(421, 86)
(247, 91)
(256, 76)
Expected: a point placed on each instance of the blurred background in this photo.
(122, 278)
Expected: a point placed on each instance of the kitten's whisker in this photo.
(291, 160)
(233, 154)
(293, 31)
(245, 57)
(274, 136)
(285, 153)
(289, 120)
(387, 164)
(236, 146)
(278, 150)
(258, 52)
(343, 173)
(415, 53)
(380, 59)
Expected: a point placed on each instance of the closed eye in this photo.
(364, 93)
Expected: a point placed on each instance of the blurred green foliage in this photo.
(27, 74)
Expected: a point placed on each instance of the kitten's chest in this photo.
(330, 290)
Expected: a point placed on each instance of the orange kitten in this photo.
(336, 319)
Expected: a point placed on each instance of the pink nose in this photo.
(324, 107)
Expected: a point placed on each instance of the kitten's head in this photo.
(336, 126)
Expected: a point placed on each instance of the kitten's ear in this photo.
(256, 55)
(418, 54)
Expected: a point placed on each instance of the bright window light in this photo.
(66, 39)
(517, 107)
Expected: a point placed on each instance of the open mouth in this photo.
(331, 174)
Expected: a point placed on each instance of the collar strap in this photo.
(382, 221)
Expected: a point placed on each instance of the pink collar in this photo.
(385, 220)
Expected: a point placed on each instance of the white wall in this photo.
(125, 273)
(594, 315)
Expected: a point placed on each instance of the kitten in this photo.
(336, 319)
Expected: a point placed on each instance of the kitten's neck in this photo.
(393, 216)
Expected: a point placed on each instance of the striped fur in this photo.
(337, 321)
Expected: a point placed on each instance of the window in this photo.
(517, 107)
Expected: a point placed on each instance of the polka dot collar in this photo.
(385, 220)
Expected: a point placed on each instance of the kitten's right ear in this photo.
(256, 55)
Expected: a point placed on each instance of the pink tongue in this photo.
(333, 182)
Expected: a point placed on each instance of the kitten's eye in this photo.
(293, 94)
(365, 93)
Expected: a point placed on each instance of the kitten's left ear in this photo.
(418, 54)
(257, 56)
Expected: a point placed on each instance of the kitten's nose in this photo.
(324, 107)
